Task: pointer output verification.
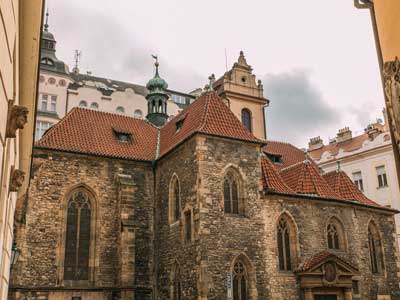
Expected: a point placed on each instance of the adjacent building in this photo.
(368, 159)
(20, 23)
(194, 207)
(60, 90)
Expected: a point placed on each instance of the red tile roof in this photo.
(345, 188)
(304, 178)
(289, 153)
(320, 258)
(272, 180)
(93, 132)
(209, 115)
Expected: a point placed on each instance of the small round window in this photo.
(62, 82)
(120, 110)
(138, 113)
(83, 103)
(94, 105)
(52, 80)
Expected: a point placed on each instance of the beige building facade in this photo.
(19, 55)
(368, 159)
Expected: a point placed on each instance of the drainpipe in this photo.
(369, 4)
(265, 122)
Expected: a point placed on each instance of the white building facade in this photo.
(61, 90)
(368, 159)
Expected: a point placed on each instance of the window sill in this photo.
(239, 216)
(382, 187)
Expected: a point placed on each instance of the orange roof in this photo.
(272, 180)
(345, 188)
(319, 258)
(304, 178)
(209, 115)
(289, 153)
(93, 132)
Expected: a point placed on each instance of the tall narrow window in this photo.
(232, 203)
(77, 241)
(53, 103)
(382, 178)
(174, 200)
(240, 282)
(284, 248)
(188, 226)
(43, 105)
(335, 235)
(333, 238)
(177, 285)
(357, 177)
(375, 249)
(246, 119)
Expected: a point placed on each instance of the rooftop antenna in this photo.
(46, 25)
(77, 58)
(338, 166)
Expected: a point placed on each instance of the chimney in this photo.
(315, 143)
(344, 134)
(373, 130)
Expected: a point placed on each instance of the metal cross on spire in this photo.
(46, 25)
(212, 81)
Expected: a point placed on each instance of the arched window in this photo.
(174, 200)
(285, 262)
(232, 197)
(77, 239)
(47, 61)
(246, 119)
(375, 249)
(335, 235)
(83, 103)
(138, 113)
(177, 285)
(94, 105)
(120, 109)
(240, 281)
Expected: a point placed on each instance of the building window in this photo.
(47, 61)
(356, 288)
(42, 79)
(284, 247)
(94, 105)
(357, 177)
(375, 249)
(382, 178)
(41, 128)
(174, 200)
(232, 200)
(188, 226)
(120, 109)
(77, 240)
(62, 82)
(246, 119)
(83, 103)
(177, 286)
(335, 235)
(53, 103)
(138, 113)
(240, 281)
(52, 80)
(178, 99)
(43, 103)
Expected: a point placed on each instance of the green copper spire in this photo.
(157, 98)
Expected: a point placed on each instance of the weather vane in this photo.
(156, 63)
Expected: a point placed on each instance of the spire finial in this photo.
(338, 166)
(46, 25)
(211, 78)
(305, 156)
(156, 63)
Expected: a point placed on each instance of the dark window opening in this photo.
(246, 119)
(231, 195)
(285, 263)
(125, 138)
(240, 282)
(333, 237)
(276, 159)
(188, 226)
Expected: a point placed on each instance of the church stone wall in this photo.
(311, 219)
(173, 250)
(40, 235)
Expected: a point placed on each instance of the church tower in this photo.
(157, 99)
(244, 95)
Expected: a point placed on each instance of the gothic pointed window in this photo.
(77, 240)
(240, 282)
(335, 235)
(375, 249)
(174, 200)
(177, 285)
(232, 199)
(284, 247)
(246, 119)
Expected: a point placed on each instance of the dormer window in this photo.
(179, 124)
(123, 137)
(47, 61)
(276, 159)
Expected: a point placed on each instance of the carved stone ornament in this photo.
(391, 74)
(330, 273)
(16, 119)
(16, 179)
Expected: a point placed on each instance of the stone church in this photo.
(197, 207)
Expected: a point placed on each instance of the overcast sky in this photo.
(316, 58)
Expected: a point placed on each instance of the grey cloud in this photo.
(297, 111)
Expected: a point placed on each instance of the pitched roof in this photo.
(272, 180)
(345, 188)
(209, 115)
(319, 258)
(304, 178)
(93, 132)
(289, 153)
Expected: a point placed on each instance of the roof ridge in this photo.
(205, 111)
(292, 166)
